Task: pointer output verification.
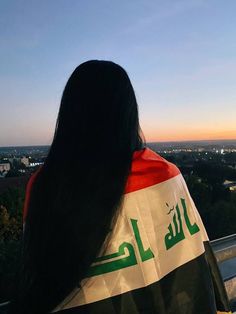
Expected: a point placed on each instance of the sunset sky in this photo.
(180, 56)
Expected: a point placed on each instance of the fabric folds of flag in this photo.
(159, 259)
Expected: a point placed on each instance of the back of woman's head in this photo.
(99, 110)
(78, 192)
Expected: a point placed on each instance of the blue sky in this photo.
(179, 54)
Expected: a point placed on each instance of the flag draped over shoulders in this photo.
(158, 259)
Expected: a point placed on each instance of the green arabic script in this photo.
(122, 261)
(144, 254)
(193, 228)
(173, 237)
(119, 260)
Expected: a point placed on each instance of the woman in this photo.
(109, 224)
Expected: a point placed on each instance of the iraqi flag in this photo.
(159, 259)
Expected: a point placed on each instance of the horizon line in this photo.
(148, 142)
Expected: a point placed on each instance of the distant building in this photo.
(230, 184)
(25, 161)
(5, 166)
(17, 159)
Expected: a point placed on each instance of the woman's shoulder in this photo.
(149, 168)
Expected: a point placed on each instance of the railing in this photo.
(3, 307)
(225, 252)
(225, 248)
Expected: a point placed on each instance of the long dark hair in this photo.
(79, 189)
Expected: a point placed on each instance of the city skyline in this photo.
(180, 56)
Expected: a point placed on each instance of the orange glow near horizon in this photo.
(151, 134)
(188, 135)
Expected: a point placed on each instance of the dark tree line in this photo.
(11, 204)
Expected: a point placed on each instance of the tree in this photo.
(11, 204)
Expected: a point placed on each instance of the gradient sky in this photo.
(180, 56)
